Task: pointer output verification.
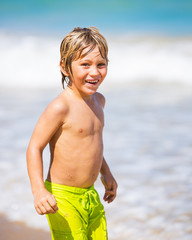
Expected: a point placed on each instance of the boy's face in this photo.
(88, 72)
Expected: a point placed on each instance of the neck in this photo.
(76, 93)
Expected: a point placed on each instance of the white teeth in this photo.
(92, 81)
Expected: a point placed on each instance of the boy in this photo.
(72, 125)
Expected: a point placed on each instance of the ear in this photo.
(63, 70)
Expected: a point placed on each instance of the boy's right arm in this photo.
(49, 122)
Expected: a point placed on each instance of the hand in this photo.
(45, 202)
(110, 187)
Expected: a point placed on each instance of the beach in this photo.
(148, 112)
(147, 143)
(19, 231)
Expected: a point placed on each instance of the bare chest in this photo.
(84, 120)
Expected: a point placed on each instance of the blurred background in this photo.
(148, 115)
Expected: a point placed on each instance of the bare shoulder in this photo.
(100, 98)
(58, 107)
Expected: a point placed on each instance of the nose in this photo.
(94, 71)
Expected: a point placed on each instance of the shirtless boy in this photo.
(72, 125)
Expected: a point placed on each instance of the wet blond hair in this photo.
(75, 43)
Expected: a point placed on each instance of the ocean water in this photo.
(148, 122)
(148, 40)
(170, 16)
(148, 146)
(33, 61)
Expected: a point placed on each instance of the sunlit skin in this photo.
(72, 125)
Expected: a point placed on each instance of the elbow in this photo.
(32, 151)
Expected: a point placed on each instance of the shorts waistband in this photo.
(59, 187)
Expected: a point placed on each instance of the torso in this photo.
(77, 146)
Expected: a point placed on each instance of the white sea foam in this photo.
(151, 59)
(148, 148)
(147, 140)
(31, 61)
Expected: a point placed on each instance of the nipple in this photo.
(80, 130)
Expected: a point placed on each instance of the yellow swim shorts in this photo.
(80, 216)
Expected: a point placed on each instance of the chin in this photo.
(90, 92)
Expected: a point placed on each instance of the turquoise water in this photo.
(148, 111)
(41, 16)
(148, 40)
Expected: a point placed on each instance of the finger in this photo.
(48, 208)
(108, 194)
(38, 210)
(111, 198)
(52, 202)
(43, 209)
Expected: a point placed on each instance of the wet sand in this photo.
(19, 231)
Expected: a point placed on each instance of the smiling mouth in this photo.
(92, 82)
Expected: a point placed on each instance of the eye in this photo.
(85, 64)
(101, 64)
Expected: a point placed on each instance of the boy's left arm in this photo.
(109, 182)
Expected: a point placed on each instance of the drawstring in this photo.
(89, 199)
